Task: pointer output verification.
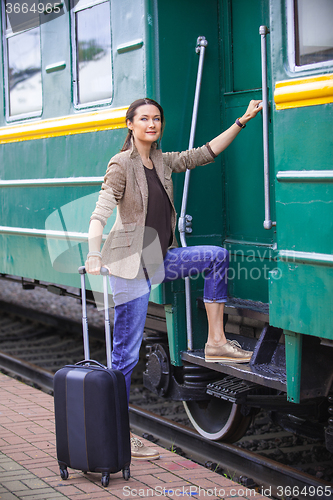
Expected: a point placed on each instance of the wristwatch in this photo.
(239, 123)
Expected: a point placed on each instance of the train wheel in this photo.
(217, 419)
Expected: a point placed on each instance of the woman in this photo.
(141, 248)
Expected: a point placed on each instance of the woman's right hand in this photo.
(93, 265)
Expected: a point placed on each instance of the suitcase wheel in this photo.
(105, 479)
(64, 473)
(126, 473)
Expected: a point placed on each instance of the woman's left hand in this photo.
(222, 141)
(252, 110)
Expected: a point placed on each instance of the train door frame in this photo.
(251, 247)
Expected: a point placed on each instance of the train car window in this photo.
(92, 52)
(23, 76)
(313, 31)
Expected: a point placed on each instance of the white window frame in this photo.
(292, 41)
(82, 5)
(6, 34)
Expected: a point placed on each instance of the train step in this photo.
(231, 388)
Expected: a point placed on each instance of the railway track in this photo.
(34, 345)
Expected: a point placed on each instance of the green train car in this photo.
(69, 71)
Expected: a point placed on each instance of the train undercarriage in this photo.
(221, 400)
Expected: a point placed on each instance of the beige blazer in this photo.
(125, 186)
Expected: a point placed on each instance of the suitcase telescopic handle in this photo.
(82, 271)
(105, 273)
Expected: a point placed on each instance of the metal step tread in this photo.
(231, 388)
(262, 375)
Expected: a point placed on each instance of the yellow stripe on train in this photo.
(304, 92)
(67, 125)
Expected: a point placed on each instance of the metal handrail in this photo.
(263, 31)
(184, 223)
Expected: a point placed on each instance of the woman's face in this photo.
(146, 125)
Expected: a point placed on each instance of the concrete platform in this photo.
(29, 469)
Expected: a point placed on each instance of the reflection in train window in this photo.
(313, 31)
(23, 77)
(93, 52)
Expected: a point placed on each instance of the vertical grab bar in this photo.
(184, 222)
(263, 31)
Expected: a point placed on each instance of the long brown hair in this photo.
(131, 113)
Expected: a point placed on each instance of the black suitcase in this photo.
(91, 412)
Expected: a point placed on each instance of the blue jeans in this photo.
(131, 298)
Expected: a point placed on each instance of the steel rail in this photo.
(27, 371)
(70, 325)
(265, 472)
